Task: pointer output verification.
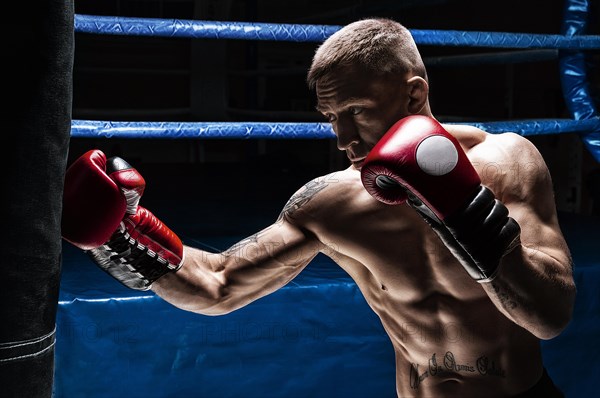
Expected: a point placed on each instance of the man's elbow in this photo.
(550, 331)
(558, 316)
(219, 301)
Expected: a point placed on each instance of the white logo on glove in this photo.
(436, 155)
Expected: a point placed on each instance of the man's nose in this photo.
(347, 135)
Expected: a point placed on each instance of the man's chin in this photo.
(358, 165)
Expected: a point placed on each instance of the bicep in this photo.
(540, 234)
(218, 283)
(529, 196)
(281, 243)
(267, 260)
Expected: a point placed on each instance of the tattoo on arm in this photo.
(302, 197)
(298, 200)
(251, 240)
(505, 295)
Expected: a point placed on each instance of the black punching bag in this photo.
(37, 63)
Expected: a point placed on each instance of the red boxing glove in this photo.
(101, 215)
(419, 155)
(420, 161)
(93, 205)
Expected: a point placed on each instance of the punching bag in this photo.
(35, 130)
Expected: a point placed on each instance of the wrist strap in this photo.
(130, 262)
(478, 236)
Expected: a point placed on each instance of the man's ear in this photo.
(418, 91)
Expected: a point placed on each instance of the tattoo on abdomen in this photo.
(449, 365)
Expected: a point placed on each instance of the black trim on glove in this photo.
(479, 235)
(130, 262)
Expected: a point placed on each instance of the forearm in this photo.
(218, 283)
(102, 215)
(198, 286)
(535, 290)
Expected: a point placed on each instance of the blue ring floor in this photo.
(316, 337)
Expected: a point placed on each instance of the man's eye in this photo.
(355, 110)
(330, 117)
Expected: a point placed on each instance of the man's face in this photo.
(361, 107)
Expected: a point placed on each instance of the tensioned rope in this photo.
(572, 45)
(573, 76)
(315, 33)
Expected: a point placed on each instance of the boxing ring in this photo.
(316, 337)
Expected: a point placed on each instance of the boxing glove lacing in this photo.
(136, 265)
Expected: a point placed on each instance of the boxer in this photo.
(450, 233)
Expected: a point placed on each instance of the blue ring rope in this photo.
(94, 128)
(573, 75)
(569, 42)
(315, 33)
(254, 130)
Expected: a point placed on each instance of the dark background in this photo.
(161, 79)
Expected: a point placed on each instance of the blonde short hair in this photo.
(377, 45)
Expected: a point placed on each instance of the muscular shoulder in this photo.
(505, 145)
(322, 194)
(512, 166)
(509, 147)
(498, 156)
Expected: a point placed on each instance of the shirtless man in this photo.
(455, 333)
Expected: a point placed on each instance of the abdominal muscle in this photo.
(448, 337)
(448, 344)
(462, 351)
